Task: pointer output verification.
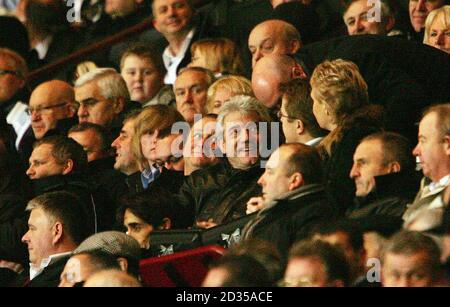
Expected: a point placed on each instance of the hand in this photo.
(206, 224)
(255, 204)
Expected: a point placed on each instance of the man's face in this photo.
(43, 164)
(76, 270)
(406, 270)
(439, 36)
(46, 109)
(94, 108)
(368, 162)
(357, 19)
(171, 16)
(264, 40)
(190, 90)
(169, 152)
(137, 228)
(125, 161)
(39, 237)
(419, 10)
(201, 143)
(120, 7)
(306, 272)
(266, 83)
(10, 82)
(288, 124)
(275, 181)
(432, 149)
(241, 139)
(142, 79)
(90, 142)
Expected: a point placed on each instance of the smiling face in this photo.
(419, 10)
(201, 143)
(358, 22)
(439, 34)
(172, 17)
(142, 78)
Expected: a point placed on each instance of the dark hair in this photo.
(396, 148)
(333, 259)
(66, 208)
(63, 149)
(100, 131)
(46, 17)
(145, 51)
(412, 242)
(243, 271)
(306, 160)
(349, 227)
(299, 104)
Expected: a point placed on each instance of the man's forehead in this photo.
(190, 78)
(42, 150)
(88, 90)
(238, 118)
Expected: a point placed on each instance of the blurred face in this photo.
(90, 142)
(419, 10)
(222, 95)
(10, 82)
(46, 109)
(190, 93)
(321, 112)
(432, 149)
(406, 270)
(439, 36)
(76, 270)
(201, 143)
(125, 161)
(171, 17)
(137, 229)
(142, 79)
(120, 7)
(39, 237)
(241, 139)
(288, 124)
(267, 39)
(169, 152)
(148, 146)
(216, 277)
(94, 108)
(199, 60)
(368, 162)
(43, 164)
(358, 21)
(306, 272)
(275, 180)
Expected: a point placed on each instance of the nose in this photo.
(420, 6)
(354, 172)
(359, 26)
(82, 111)
(25, 238)
(139, 76)
(416, 151)
(256, 56)
(35, 116)
(187, 98)
(30, 171)
(261, 180)
(171, 10)
(440, 39)
(115, 143)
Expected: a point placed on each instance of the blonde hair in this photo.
(221, 55)
(152, 118)
(432, 16)
(339, 84)
(237, 85)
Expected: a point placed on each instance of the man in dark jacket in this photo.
(294, 200)
(384, 175)
(218, 194)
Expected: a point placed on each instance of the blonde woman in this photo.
(220, 55)
(437, 29)
(223, 89)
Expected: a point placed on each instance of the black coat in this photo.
(403, 76)
(219, 192)
(389, 198)
(293, 218)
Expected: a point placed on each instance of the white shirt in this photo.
(43, 46)
(314, 142)
(171, 61)
(20, 120)
(36, 270)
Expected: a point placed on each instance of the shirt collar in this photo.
(314, 141)
(171, 61)
(43, 46)
(443, 182)
(36, 270)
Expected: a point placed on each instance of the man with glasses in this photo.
(50, 103)
(296, 115)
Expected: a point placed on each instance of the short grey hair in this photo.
(109, 81)
(244, 105)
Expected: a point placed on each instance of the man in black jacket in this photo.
(384, 174)
(294, 200)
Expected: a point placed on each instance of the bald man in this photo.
(50, 102)
(269, 73)
(112, 278)
(273, 37)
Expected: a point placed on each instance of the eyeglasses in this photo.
(41, 110)
(9, 72)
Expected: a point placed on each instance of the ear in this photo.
(394, 167)
(294, 46)
(447, 145)
(300, 127)
(298, 72)
(68, 168)
(123, 263)
(71, 110)
(119, 105)
(166, 224)
(57, 232)
(296, 180)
